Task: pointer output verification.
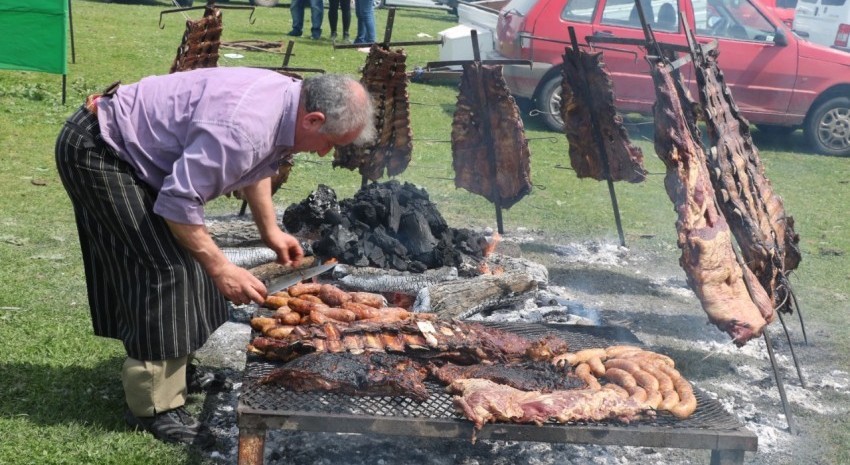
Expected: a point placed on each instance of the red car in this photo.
(779, 82)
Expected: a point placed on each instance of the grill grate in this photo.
(277, 400)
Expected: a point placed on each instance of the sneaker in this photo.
(293, 34)
(333, 35)
(346, 38)
(175, 426)
(208, 382)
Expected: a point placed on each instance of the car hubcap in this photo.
(555, 106)
(834, 128)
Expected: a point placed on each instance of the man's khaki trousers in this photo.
(154, 387)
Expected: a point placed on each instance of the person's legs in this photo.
(345, 5)
(369, 14)
(333, 6)
(361, 21)
(317, 14)
(296, 9)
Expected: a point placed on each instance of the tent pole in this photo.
(64, 82)
(73, 51)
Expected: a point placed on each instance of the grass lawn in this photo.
(62, 396)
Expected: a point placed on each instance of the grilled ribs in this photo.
(455, 341)
(730, 294)
(490, 154)
(366, 374)
(756, 215)
(587, 95)
(484, 401)
(200, 43)
(528, 376)
(385, 78)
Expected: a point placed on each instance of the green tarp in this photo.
(33, 35)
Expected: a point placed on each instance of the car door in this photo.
(760, 72)
(626, 63)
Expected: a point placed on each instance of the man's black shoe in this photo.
(176, 426)
(198, 381)
(293, 34)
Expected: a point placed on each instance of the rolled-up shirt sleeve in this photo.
(214, 153)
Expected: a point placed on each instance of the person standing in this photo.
(317, 13)
(139, 163)
(365, 12)
(333, 7)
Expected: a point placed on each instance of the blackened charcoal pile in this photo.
(385, 225)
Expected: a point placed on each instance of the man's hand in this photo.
(287, 247)
(238, 285)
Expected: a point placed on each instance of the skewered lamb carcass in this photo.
(385, 78)
(490, 154)
(199, 47)
(755, 213)
(587, 95)
(730, 294)
(427, 339)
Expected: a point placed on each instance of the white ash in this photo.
(594, 253)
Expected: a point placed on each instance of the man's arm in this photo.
(237, 284)
(259, 197)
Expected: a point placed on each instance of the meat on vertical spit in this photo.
(755, 212)
(385, 78)
(730, 294)
(506, 178)
(587, 94)
(200, 44)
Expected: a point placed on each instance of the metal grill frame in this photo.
(263, 407)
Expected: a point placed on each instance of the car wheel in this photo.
(265, 2)
(184, 3)
(549, 104)
(378, 4)
(828, 127)
(775, 130)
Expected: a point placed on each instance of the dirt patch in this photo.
(639, 288)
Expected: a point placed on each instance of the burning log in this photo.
(587, 93)
(769, 245)
(490, 154)
(385, 225)
(731, 295)
(464, 298)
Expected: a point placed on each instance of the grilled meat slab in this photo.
(587, 93)
(756, 214)
(531, 376)
(490, 154)
(454, 341)
(730, 294)
(200, 43)
(484, 401)
(366, 374)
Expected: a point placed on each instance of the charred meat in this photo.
(200, 44)
(530, 376)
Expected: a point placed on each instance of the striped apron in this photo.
(143, 287)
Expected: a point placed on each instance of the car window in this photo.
(579, 10)
(788, 3)
(809, 1)
(662, 15)
(520, 7)
(732, 19)
(833, 2)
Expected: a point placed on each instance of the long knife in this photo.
(282, 282)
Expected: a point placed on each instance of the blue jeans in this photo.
(317, 12)
(365, 21)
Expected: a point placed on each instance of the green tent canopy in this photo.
(34, 35)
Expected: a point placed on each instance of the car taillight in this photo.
(842, 35)
(524, 41)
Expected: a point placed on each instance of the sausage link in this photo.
(368, 298)
(333, 296)
(304, 288)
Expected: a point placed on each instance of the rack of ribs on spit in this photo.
(385, 78)
(755, 213)
(503, 176)
(199, 47)
(426, 339)
(731, 295)
(587, 93)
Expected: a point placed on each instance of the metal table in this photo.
(264, 407)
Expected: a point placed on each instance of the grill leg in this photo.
(726, 457)
(251, 445)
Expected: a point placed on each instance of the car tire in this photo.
(827, 127)
(269, 3)
(184, 3)
(548, 103)
(775, 130)
(376, 4)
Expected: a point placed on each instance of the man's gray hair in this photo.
(331, 94)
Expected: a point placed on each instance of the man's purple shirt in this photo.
(195, 135)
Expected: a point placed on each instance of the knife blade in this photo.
(282, 282)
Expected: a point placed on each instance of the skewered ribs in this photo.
(385, 78)
(200, 44)
(730, 294)
(587, 93)
(756, 214)
(490, 154)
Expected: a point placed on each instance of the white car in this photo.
(825, 22)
